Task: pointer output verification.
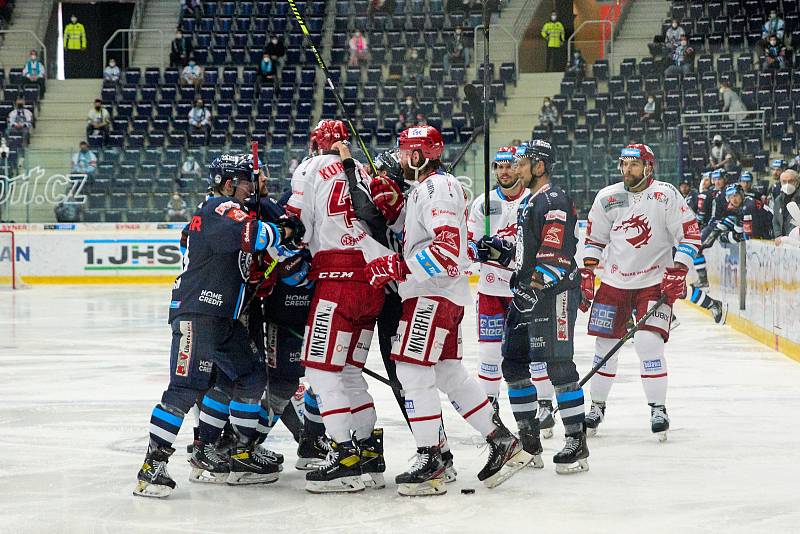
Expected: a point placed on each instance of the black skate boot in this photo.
(719, 310)
(311, 452)
(546, 419)
(702, 279)
(425, 476)
(572, 458)
(450, 472)
(248, 466)
(506, 456)
(341, 471)
(595, 416)
(659, 421)
(372, 463)
(154, 480)
(532, 445)
(196, 434)
(209, 464)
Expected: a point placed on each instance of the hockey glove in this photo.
(383, 270)
(673, 284)
(293, 230)
(546, 276)
(388, 197)
(727, 224)
(587, 288)
(499, 250)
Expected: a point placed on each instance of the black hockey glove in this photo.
(499, 250)
(293, 231)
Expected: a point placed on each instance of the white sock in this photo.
(602, 381)
(490, 371)
(422, 402)
(465, 395)
(334, 404)
(650, 349)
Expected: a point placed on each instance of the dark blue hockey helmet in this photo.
(236, 167)
(389, 162)
(538, 150)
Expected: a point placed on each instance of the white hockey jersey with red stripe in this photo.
(638, 232)
(321, 200)
(494, 278)
(435, 240)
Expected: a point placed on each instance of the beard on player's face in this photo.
(632, 172)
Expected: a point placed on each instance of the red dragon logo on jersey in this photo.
(640, 224)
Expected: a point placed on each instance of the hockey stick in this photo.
(331, 86)
(487, 87)
(476, 112)
(380, 379)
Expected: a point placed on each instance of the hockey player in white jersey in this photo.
(495, 253)
(638, 222)
(342, 314)
(434, 291)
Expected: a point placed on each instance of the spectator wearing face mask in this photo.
(649, 110)
(200, 118)
(20, 121)
(774, 55)
(176, 209)
(111, 73)
(682, 59)
(192, 74)
(553, 34)
(75, 63)
(548, 115)
(98, 121)
(34, 71)
(782, 221)
(84, 161)
(457, 50)
(577, 66)
(266, 69)
(180, 50)
(276, 49)
(68, 210)
(415, 66)
(672, 37)
(721, 156)
(773, 26)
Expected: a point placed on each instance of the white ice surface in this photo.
(81, 367)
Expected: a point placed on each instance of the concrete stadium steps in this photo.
(158, 15)
(501, 49)
(517, 119)
(15, 49)
(641, 25)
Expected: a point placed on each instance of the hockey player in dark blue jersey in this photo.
(207, 298)
(706, 202)
(541, 319)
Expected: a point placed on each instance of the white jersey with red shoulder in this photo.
(435, 240)
(494, 278)
(638, 232)
(321, 200)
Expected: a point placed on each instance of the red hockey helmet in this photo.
(505, 153)
(639, 151)
(426, 139)
(327, 133)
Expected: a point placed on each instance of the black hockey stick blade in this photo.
(475, 105)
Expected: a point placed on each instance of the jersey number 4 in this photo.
(339, 203)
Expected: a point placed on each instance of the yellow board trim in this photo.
(117, 280)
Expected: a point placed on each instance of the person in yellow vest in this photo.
(74, 46)
(553, 33)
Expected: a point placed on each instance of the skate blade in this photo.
(536, 462)
(373, 480)
(519, 460)
(577, 467)
(307, 464)
(450, 475)
(145, 489)
(675, 323)
(591, 432)
(204, 476)
(246, 478)
(724, 314)
(662, 436)
(338, 485)
(546, 433)
(436, 486)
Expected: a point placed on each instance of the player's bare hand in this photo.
(343, 147)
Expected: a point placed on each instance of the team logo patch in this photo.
(409, 406)
(184, 349)
(490, 368)
(651, 365)
(610, 202)
(638, 224)
(556, 215)
(419, 330)
(601, 320)
(319, 334)
(490, 327)
(553, 235)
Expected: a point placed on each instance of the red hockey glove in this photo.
(673, 284)
(383, 270)
(587, 288)
(388, 197)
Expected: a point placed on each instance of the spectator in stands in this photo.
(176, 209)
(84, 161)
(721, 155)
(682, 59)
(190, 170)
(192, 74)
(553, 33)
(548, 115)
(276, 49)
(111, 73)
(415, 66)
(457, 50)
(782, 222)
(381, 6)
(68, 210)
(34, 71)
(200, 118)
(672, 37)
(20, 121)
(266, 69)
(409, 107)
(98, 121)
(649, 109)
(181, 50)
(191, 8)
(732, 103)
(774, 55)
(577, 66)
(359, 48)
(420, 120)
(774, 26)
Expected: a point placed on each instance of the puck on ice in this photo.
(467, 491)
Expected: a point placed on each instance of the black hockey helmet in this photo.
(539, 150)
(389, 161)
(236, 167)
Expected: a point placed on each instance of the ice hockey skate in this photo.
(250, 467)
(506, 456)
(450, 473)
(595, 416)
(719, 310)
(572, 458)
(659, 421)
(154, 480)
(311, 452)
(546, 419)
(533, 446)
(340, 473)
(372, 463)
(425, 476)
(209, 464)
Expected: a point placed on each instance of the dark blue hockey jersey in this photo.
(220, 241)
